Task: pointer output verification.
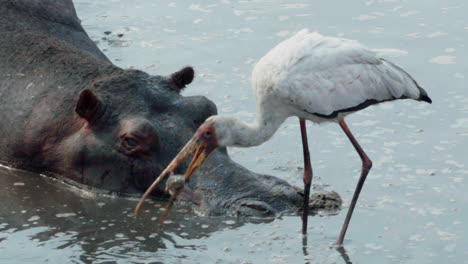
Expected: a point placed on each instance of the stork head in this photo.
(203, 142)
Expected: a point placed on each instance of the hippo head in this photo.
(130, 125)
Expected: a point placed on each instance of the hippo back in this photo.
(53, 18)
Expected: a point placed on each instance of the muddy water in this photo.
(413, 208)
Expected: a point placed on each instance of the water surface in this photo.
(413, 208)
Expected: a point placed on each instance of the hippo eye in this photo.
(130, 142)
(208, 134)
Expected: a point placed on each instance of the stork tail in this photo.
(424, 97)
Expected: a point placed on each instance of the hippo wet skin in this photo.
(66, 110)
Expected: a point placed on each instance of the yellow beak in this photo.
(193, 146)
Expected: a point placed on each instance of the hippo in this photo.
(67, 111)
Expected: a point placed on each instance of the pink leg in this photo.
(307, 176)
(366, 166)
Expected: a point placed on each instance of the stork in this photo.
(312, 77)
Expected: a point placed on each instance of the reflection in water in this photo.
(344, 254)
(54, 215)
(85, 226)
(304, 248)
(340, 249)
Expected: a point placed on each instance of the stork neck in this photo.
(254, 134)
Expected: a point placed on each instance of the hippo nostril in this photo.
(255, 208)
(330, 201)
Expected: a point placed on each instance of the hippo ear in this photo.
(182, 77)
(89, 106)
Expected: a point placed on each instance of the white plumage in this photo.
(316, 77)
